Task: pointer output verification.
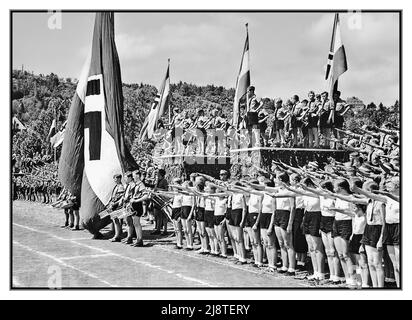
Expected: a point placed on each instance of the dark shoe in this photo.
(128, 241)
(290, 273)
(115, 240)
(282, 271)
(76, 228)
(178, 247)
(97, 236)
(71, 226)
(138, 244)
(65, 226)
(189, 248)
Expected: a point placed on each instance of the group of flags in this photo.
(336, 66)
(94, 150)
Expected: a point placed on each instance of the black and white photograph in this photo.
(206, 149)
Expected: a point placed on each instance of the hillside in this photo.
(36, 98)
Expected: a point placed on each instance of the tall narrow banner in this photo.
(242, 81)
(104, 151)
(337, 63)
(157, 109)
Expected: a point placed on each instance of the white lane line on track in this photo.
(60, 261)
(87, 256)
(142, 262)
(225, 264)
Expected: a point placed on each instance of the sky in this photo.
(288, 51)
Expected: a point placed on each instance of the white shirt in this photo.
(254, 203)
(209, 204)
(358, 224)
(392, 211)
(200, 201)
(177, 201)
(326, 203)
(374, 213)
(237, 201)
(220, 206)
(312, 204)
(283, 203)
(187, 201)
(268, 204)
(345, 205)
(299, 201)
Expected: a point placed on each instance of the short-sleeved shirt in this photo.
(325, 204)
(312, 204)
(392, 211)
(254, 203)
(177, 201)
(210, 204)
(220, 206)
(283, 203)
(237, 201)
(374, 212)
(187, 200)
(345, 205)
(268, 204)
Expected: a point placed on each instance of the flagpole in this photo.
(247, 91)
(55, 119)
(168, 67)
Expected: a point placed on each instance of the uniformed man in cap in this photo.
(114, 204)
(127, 196)
(253, 107)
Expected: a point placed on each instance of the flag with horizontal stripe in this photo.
(157, 108)
(242, 81)
(58, 138)
(104, 151)
(337, 63)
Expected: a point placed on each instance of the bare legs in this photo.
(286, 249)
(393, 252)
(375, 266)
(256, 243)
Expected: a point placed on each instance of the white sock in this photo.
(291, 270)
(284, 268)
(321, 276)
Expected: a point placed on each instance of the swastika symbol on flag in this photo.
(92, 121)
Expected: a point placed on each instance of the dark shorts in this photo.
(235, 217)
(391, 234)
(228, 213)
(218, 220)
(264, 221)
(371, 235)
(200, 214)
(326, 224)
(342, 228)
(324, 120)
(209, 219)
(313, 122)
(251, 219)
(176, 213)
(185, 212)
(355, 243)
(311, 223)
(299, 241)
(137, 208)
(282, 218)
